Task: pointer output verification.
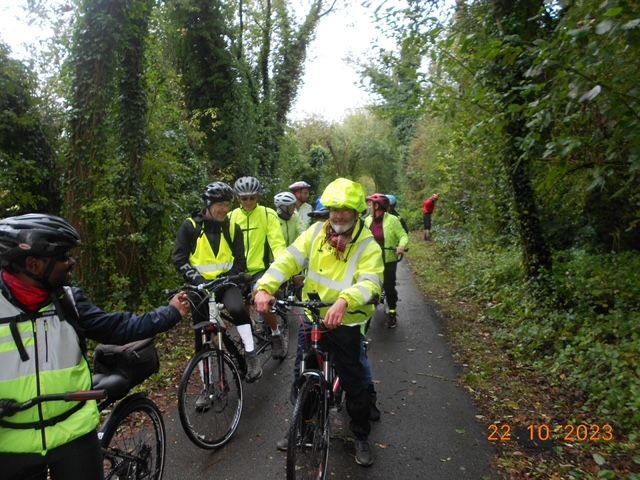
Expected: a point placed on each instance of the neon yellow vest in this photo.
(203, 259)
(56, 364)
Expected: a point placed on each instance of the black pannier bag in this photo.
(137, 361)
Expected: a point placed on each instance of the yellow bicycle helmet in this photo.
(344, 193)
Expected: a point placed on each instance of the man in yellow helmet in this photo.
(344, 266)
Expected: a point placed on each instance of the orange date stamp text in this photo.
(543, 432)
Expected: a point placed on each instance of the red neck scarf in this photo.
(339, 241)
(31, 297)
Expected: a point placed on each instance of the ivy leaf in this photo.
(599, 459)
(591, 94)
(604, 27)
(631, 24)
(613, 12)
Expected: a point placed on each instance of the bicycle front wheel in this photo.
(283, 325)
(210, 399)
(308, 449)
(133, 440)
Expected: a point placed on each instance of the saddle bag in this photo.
(136, 361)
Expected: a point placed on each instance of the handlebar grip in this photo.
(8, 407)
(87, 395)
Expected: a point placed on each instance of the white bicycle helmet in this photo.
(294, 187)
(247, 186)
(284, 199)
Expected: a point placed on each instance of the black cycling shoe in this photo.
(364, 455)
(283, 444)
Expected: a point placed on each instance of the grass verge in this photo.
(531, 416)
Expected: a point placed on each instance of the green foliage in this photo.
(29, 177)
(362, 147)
(584, 338)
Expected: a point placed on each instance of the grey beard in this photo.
(339, 229)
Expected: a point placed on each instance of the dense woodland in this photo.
(523, 114)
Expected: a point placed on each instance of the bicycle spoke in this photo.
(133, 442)
(308, 451)
(210, 399)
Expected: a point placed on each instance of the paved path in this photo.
(428, 428)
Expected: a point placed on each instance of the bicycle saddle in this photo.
(116, 385)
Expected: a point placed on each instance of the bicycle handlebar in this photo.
(9, 407)
(213, 285)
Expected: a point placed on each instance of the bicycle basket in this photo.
(136, 361)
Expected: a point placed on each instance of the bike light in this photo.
(316, 335)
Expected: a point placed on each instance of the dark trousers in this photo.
(345, 344)
(80, 459)
(303, 339)
(389, 284)
(234, 303)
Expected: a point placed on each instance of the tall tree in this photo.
(518, 24)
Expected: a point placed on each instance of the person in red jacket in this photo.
(427, 210)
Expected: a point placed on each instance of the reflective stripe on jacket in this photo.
(56, 364)
(357, 277)
(210, 265)
(262, 236)
(394, 235)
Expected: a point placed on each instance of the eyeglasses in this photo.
(252, 197)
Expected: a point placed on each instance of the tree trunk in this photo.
(517, 20)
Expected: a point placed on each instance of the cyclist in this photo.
(301, 191)
(209, 245)
(388, 232)
(344, 265)
(393, 203)
(43, 326)
(320, 213)
(285, 204)
(263, 240)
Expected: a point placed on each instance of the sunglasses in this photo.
(252, 197)
(63, 257)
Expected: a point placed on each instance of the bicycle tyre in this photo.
(212, 425)
(283, 325)
(309, 436)
(133, 440)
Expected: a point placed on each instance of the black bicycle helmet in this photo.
(35, 234)
(247, 186)
(217, 192)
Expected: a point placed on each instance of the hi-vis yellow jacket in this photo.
(394, 236)
(357, 277)
(262, 236)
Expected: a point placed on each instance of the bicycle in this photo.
(132, 435)
(319, 391)
(210, 395)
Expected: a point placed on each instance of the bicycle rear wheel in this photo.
(308, 449)
(210, 399)
(133, 440)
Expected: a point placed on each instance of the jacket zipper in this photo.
(46, 341)
(38, 390)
